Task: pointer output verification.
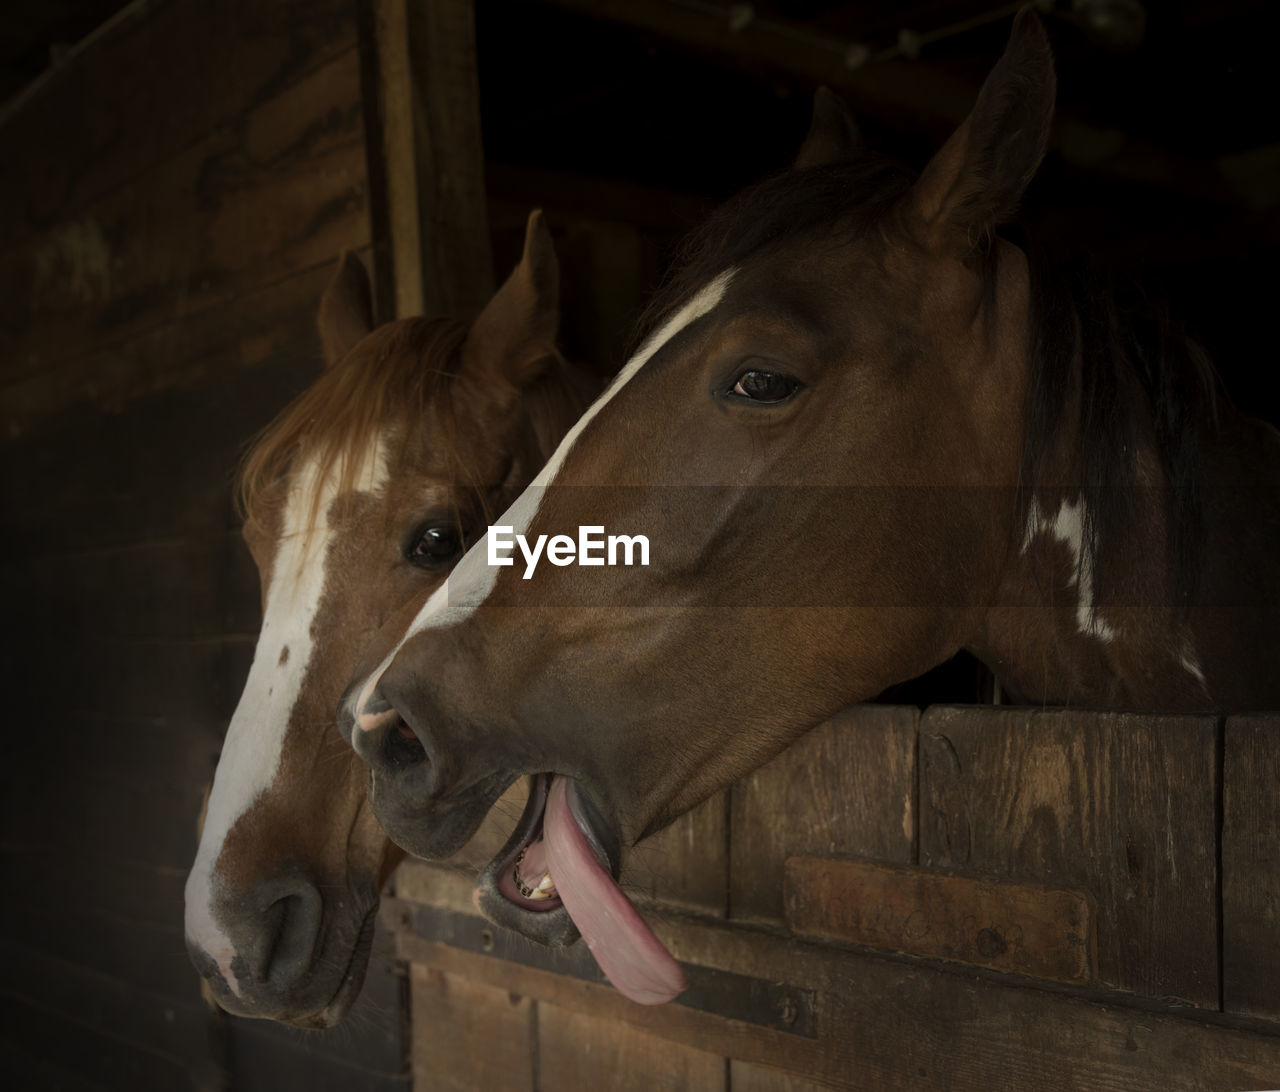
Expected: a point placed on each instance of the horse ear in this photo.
(833, 134)
(975, 182)
(346, 309)
(516, 332)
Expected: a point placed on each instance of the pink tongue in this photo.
(632, 958)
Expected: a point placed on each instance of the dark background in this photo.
(218, 152)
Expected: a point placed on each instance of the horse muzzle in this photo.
(277, 952)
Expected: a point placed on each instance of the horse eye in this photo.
(437, 545)
(767, 388)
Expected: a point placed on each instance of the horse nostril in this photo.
(402, 748)
(291, 927)
(383, 739)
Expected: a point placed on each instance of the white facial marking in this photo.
(473, 578)
(1067, 526)
(254, 742)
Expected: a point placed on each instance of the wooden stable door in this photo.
(969, 898)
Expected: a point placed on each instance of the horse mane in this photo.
(1085, 328)
(399, 386)
(1090, 330)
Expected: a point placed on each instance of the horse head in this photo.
(359, 497)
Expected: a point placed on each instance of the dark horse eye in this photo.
(767, 388)
(436, 545)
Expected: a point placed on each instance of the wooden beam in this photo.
(427, 159)
(1028, 928)
(897, 90)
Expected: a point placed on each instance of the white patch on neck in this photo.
(254, 742)
(1067, 526)
(473, 579)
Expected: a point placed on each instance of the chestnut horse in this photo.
(360, 496)
(863, 432)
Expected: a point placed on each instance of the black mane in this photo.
(1089, 328)
(1085, 328)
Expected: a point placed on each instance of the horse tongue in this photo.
(632, 958)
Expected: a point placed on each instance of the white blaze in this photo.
(471, 582)
(254, 742)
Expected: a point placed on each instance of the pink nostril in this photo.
(371, 722)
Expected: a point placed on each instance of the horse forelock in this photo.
(389, 389)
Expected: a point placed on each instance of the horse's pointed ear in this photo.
(833, 134)
(346, 309)
(515, 335)
(974, 184)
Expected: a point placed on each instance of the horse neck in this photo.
(1101, 626)
(1130, 630)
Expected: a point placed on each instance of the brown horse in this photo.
(359, 497)
(863, 432)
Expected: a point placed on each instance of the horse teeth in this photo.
(545, 889)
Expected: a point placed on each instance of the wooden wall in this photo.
(174, 195)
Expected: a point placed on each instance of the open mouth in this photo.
(554, 880)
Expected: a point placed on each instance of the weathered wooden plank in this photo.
(1046, 932)
(161, 1024)
(745, 1077)
(122, 887)
(154, 83)
(690, 1027)
(269, 329)
(64, 1043)
(887, 1022)
(846, 787)
(687, 864)
(267, 1058)
(577, 1050)
(1122, 806)
(431, 159)
(433, 883)
(238, 211)
(23, 1066)
(142, 679)
(145, 590)
(1251, 866)
(101, 817)
(469, 1035)
(151, 956)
